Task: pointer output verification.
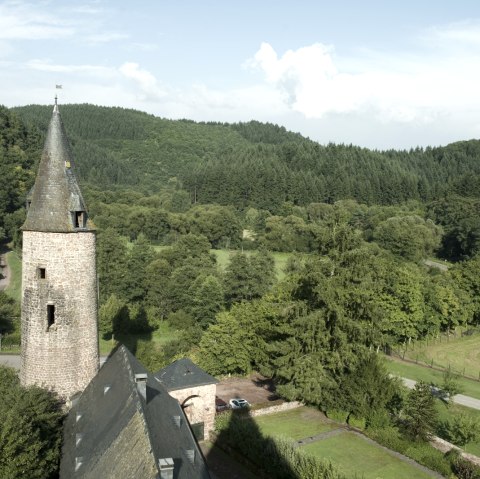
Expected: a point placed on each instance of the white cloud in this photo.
(25, 21)
(87, 9)
(47, 66)
(106, 37)
(144, 47)
(146, 81)
(412, 89)
(466, 33)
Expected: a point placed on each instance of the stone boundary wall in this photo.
(286, 406)
(445, 446)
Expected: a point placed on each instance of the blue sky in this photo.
(380, 74)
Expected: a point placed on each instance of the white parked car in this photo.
(239, 403)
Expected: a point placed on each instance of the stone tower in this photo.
(59, 279)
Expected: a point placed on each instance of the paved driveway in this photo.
(13, 360)
(457, 399)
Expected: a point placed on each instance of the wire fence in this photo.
(413, 352)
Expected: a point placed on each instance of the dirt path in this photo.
(4, 272)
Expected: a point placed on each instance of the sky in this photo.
(378, 74)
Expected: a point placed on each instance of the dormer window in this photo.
(79, 219)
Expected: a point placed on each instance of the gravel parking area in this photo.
(255, 389)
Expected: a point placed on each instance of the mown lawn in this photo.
(295, 424)
(461, 354)
(422, 373)
(353, 455)
(159, 337)
(14, 289)
(357, 457)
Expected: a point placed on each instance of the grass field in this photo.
(461, 354)
(355, 455)
(14, 289)
(223, 257)
(295, 424)
(349, 452)
(160, 336)
(422, 373)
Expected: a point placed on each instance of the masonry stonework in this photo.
(59, 311)
(198, 403)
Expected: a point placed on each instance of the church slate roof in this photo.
(182, 374)
(112, 431)
(56, 194)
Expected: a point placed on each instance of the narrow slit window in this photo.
(42, 273)
(50, 314)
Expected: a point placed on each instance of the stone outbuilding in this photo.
(195, 390)
(125, 425)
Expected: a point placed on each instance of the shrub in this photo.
(462, 468)
(11, 340)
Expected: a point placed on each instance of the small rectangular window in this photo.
(50, 314)
(79, 219)
(42, 273)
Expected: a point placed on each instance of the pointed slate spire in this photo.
(56, 203)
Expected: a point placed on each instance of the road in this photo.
(457, 399)
(13, 360)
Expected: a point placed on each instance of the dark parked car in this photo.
(220, 404)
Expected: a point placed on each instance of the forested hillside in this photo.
(143, 173)
(19, 152)
(253, 164)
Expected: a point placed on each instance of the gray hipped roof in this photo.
(113, 431)
(56, 194)
(183, 373)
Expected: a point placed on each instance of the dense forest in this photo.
(163, 173)
(357, 225)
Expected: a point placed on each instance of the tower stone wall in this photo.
(59, 278)
(59, 310)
